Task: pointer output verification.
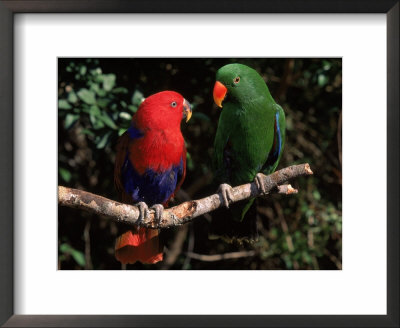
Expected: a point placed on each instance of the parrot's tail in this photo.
(238, 224)
(142, 245)
(240, 209)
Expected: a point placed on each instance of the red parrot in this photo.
(150, 167)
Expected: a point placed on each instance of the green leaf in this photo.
(108, 121)
(83, 70)
(84, 108)
(96, 122)
(120, 90)
(99, 78)
(104, 140)
(63, 104)
(88, 132)
(316, 195)
(108, 81)
(87, 96)
(322, 80)
(95, 71)
(306, 257)
(338, 226)
(288, 261)
(125, 116)
(189, 161)
(76, 255)
(95, 111)
(103, 102)
(72, 98)
(326, 65)
(65, 174)
(70, 120)
(137, 98)
(133, 108)
(121, 132)
(273, 233)
(101, 93)
(94, 87)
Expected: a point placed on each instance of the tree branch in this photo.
(220, 257)
(179, 214)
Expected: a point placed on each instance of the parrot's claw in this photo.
(158, 211)
(143, 211)
(260, 182)
(227, 193)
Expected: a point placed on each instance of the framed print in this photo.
(242, 242)
(76, 76)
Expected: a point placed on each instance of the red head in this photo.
(161, 111)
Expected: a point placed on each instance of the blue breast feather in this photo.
(151, 187)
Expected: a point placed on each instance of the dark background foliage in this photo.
(97, 98)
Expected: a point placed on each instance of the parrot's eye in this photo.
(236, 80)
(173, 104)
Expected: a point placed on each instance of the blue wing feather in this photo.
(274, 154)
(134, 132)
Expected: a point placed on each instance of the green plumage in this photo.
(251, 130)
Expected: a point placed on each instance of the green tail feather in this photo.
(240, 209)
(233, 226)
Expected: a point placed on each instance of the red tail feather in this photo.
(141, 245)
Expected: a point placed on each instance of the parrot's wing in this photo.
(222, 152)
(120, 157)
(121, 160)
(279, 141)
(181, 171)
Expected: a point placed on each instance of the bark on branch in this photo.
(220, 257)
(182, 213)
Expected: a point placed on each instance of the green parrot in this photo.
(250, 135)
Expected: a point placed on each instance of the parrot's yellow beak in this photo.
(219, 93)
(187, 110)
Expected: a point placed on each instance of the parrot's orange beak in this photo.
(187, 110)
(219, 93)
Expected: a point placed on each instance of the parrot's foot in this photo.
(143, 211)
(227, 194)
(158, 211)
(260, 182)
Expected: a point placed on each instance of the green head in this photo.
(240, 83)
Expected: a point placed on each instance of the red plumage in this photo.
(150, 166)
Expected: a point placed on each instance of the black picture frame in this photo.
(8, 200)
